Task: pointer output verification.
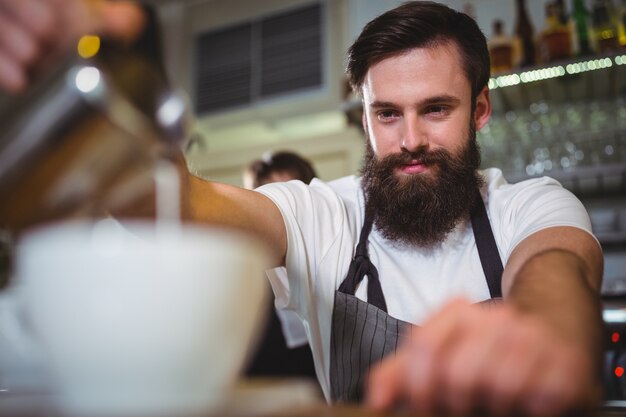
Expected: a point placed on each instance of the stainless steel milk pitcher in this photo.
(86, 139)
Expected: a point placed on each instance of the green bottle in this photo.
(580, 16)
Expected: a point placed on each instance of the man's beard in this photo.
(421, 209)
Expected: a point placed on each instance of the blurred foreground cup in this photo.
(140, 319)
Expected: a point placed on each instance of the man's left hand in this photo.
(468, 357)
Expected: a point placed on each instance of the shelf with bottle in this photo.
(566, 143)
(577, 144)
(574, 32)
(601, 78)
(567, 121)
(556, 40)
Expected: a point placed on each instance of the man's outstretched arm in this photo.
(226, 205)
(538, 352)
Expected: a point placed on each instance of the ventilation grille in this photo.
(244, 64)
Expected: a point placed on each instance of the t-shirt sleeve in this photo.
(529, 206)
(313, 216)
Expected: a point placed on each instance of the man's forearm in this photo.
(554, 286)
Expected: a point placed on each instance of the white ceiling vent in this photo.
(258, 59)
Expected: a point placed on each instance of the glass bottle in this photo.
(621, 24)
(500, 48)
(580, 19)
(525, 32)
(555, 42)
(604, 28)
(561, 12)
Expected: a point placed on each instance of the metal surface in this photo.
(86, 139)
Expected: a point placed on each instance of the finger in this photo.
(35, 16)
(552, 393)
(477, 350)
(17, 44)
(564, 385)
(78, 18)
(121, 20)
(427, 349)
(12, 77)
(521, 364)
(385, 382)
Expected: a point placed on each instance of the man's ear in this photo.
(482, 113)
(364, 120)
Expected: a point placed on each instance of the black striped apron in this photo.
(362, 333)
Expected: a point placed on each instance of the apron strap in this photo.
(487, 248)
(485, 243)
(362, 266)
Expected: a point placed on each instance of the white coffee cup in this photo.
(140, 319)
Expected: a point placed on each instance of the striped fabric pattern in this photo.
(362, 336)
(363, 333)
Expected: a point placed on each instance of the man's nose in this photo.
(414, 136)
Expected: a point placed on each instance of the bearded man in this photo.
(391, 271)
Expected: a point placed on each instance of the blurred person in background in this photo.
(283, 349)
(389, 271)
(276, 167)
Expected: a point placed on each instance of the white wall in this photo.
(332, 156)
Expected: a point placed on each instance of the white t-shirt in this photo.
(323, 222)
(290, 322)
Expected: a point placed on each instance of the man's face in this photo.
(420, 175)
(420, 100)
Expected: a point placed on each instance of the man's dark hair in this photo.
(420, 24)
(283, 161)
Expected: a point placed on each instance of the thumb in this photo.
(386, 382)
(119, 20)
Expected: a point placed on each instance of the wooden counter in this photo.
(251, 398)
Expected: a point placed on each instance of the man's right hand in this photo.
(33, 33)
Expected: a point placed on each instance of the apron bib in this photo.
(362, 333)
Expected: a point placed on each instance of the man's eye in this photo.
(387, 115)
(437, 110)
